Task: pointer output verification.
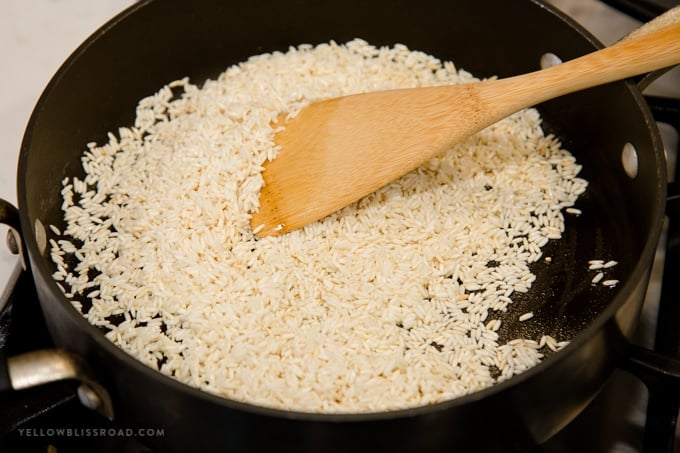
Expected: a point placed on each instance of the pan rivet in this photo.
(88, 397)
(13, 241)
(549, 60)
(629, 159)
(40, 236)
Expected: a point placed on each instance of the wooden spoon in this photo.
(335, 151)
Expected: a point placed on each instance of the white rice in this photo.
(595, 264)
(526, 316)
(600, 275)
(381, 306)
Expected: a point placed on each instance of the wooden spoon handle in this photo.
(635, 55)
(484, 103)
(670, 17)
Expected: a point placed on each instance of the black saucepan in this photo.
(155, 42)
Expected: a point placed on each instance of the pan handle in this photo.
(40, 367)
(44, 366)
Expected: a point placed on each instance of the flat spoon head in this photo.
(336, 151)
(328, 156)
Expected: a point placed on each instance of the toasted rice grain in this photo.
(526, 316)
(380, 306)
